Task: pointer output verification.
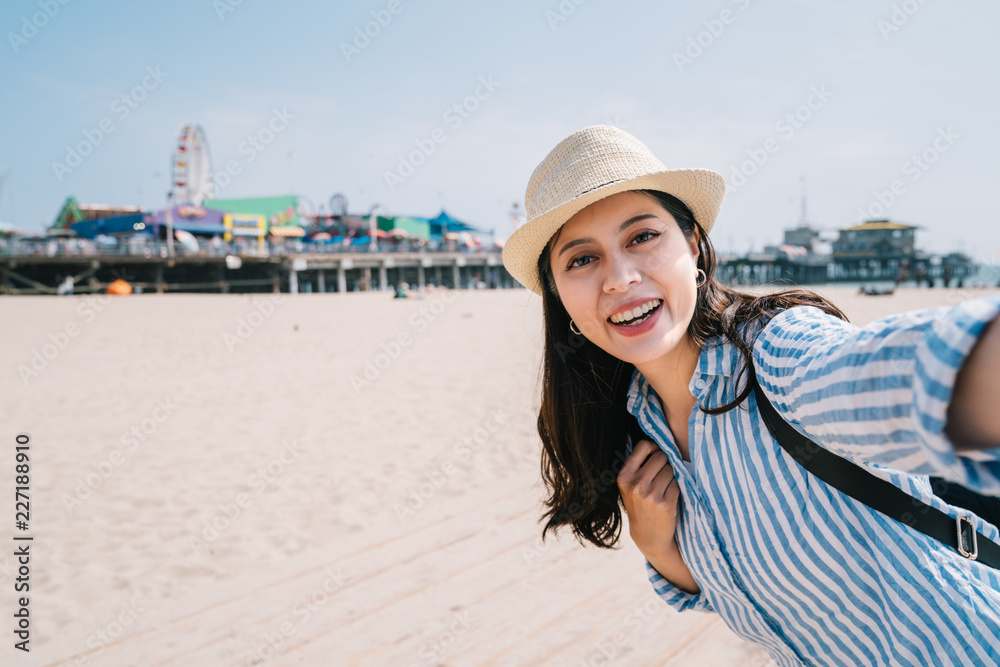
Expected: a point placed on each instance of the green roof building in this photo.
(280, 212)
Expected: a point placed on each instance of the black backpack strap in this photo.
(959, 534)
(987, 507)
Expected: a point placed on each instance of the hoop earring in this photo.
(573, 329)
(704, 278)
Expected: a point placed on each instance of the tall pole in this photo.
(170, 217)
(803, 222)
(515, 216)
(170, 228)
(373, 225)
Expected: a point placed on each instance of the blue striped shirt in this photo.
(789, 562)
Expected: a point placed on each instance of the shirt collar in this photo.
(718, 357)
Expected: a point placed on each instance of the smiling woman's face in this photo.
(626, 275)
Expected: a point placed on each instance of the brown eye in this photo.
(645, 236)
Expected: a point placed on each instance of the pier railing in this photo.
(40, 266)
(74, 247)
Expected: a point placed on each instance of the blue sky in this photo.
(844, 93)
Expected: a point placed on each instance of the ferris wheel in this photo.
(338, 205)
(192, 166)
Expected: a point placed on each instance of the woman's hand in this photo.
(651, 496)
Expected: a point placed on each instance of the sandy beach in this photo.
(313, 479)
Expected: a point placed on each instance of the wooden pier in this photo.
(294, 273)
(41, 273)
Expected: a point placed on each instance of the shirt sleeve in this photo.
(675, 597)
(878, 394)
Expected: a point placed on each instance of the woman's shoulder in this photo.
(798, 322)
(795, 333)
(787, 327)
(802, 315)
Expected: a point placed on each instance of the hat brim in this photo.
(701, 190)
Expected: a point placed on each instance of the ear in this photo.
(693, 244)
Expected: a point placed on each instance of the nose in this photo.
(620, 273)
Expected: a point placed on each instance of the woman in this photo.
(637, 330)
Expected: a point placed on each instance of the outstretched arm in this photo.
(888, 393)
(973, 417)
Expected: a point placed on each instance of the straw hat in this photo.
(587, 166)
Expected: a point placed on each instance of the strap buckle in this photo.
(966, 537)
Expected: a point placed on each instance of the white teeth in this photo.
(638, 311)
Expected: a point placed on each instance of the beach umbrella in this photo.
(398, 232)
(322, 236)
(794, 250)
(119, 287)
(187, 240)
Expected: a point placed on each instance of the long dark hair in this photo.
(583, 420)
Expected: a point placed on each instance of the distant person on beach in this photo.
(656, 377)
(404, 292)
(902, 272)
(946, 276)
(66, 286)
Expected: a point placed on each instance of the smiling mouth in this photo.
(638, 320)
